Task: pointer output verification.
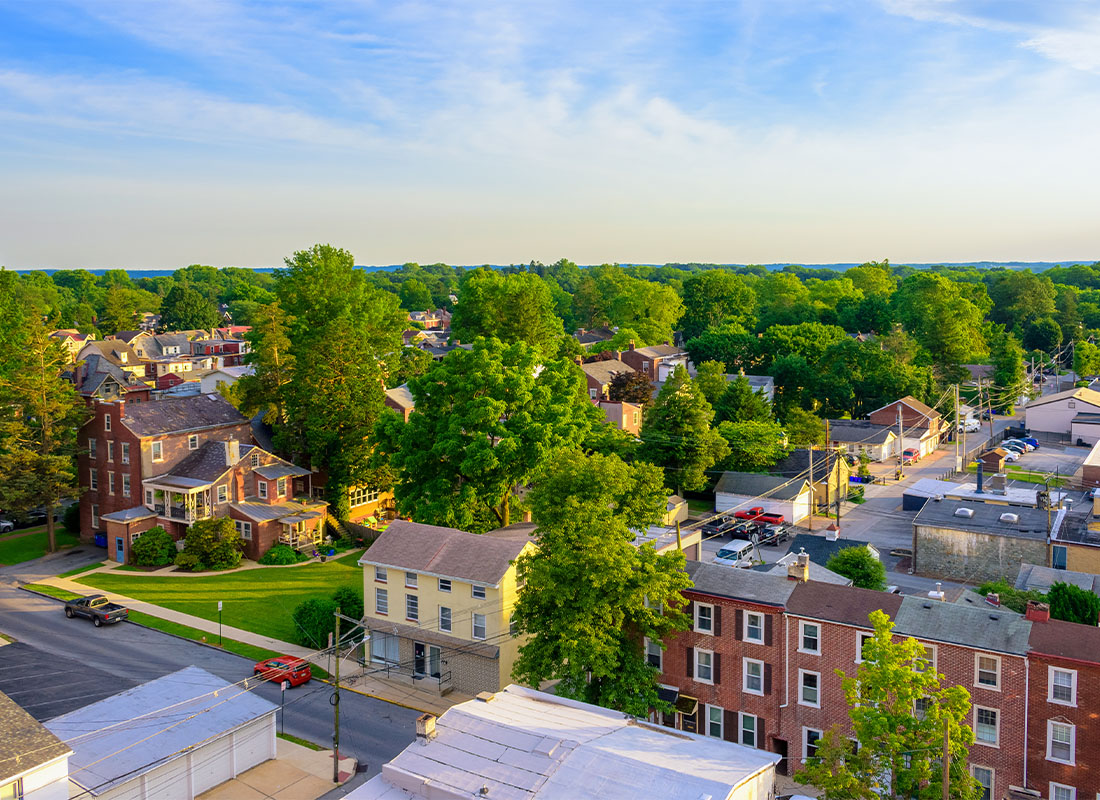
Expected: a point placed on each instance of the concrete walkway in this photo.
(296, 773)
(352, 676)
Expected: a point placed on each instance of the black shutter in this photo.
(730, 729)
(690, 662)
(768, 630)
(738, 624)
(718, 620)
(690, 611)
(717, 668)
(767, 679)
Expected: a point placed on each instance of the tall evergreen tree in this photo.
(740, 403)
(272, 365)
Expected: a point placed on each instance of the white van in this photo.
(737, 553)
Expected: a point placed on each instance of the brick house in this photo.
(921, 424)
(658, 361)
(598, 375)
(623, 415)
(1063, 725)
(724, 674)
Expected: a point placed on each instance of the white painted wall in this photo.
(794, 510)
(48, 782)
(761, 787)
(1056, 417)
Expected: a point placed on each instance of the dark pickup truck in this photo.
(97, 608)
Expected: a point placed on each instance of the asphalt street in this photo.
(60, 662)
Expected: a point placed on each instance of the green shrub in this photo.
(71, 519)
(154, 548)
(189, 562)
(1073, 604)
(350, 601)
(282, 554)
(858, 564)
(214, 542)
(1011, 598)
(315, 620)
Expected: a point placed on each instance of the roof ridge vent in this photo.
(964, 512)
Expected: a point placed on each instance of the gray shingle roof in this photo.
(1033, 576)
(996, 629)
(852, 431)
(753, 484)
(797, 463)
(402, 396)
(604, 371)
(205, 464)
(819, 548)
(444, 551)
(817, 572)
(178, 414)
(24, 742)
(740, 584)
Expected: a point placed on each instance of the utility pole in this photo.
(839, 497)
(901, 447)
(813, 500)
(959, 428)
(336, 708)
(989, 407)
(946, 757)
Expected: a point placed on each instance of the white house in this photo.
(226, 375)
(34, 763)
(522, 744)
(773, 493)
(1055, 413)
(169, 739)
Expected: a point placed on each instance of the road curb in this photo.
(344, 688)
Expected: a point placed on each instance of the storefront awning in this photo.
(668, 695)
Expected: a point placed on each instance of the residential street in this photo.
(52, 674)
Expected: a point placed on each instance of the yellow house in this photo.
(438, 604)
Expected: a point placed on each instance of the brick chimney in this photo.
(631, 344)
(799, 569)
(122, 408)
(1037, 612)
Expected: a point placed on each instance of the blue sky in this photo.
(157, 134)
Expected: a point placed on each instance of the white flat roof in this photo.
(524, 744)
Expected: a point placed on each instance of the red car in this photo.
(284, 668)
(758, 514)
(751, 513)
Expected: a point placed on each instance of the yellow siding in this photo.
(1082, 558)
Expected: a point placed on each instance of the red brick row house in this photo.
(759, 666)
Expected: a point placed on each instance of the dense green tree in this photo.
(741, 403)
(589, 594)
(710, 377)
(870, 314)
(796, 383)
(213, 544)
(1073, 604)
(782, 299)
(874, 279)
(631, 387)
(154, 548)
(855, 378)
(42, 413)
(1067, 314)
(860, 566)
(1086, 359)
(406, 364)
(1043, 334)
(314, 619)
(806, 339)
(714, 298)
(754, 445)
(1020, 297)
(119, 311)
(486, 420)
(803, 428)
(1009, 376)
(272, 363)
(513, 308)
(415, 296)
(898, 750)
(729, 345)
(607, 295)
(186, 308)
(938, 315)
(677, 435)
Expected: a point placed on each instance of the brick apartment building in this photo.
(759, 665)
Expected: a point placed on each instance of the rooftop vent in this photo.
(485, 697)
(1009, 518)
(964, 512)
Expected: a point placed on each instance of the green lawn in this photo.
(700, 506)
(78, 570)
(17, 549)
(1024, 475)
(52, 591)
(257, 600)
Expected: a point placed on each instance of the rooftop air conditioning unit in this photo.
(1009, 519)
(964, 512)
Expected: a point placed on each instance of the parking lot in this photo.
(1062, 461)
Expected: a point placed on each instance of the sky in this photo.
(152, 135)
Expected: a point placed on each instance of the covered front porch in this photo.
(179, 499)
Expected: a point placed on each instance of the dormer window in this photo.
(254, 460)
(122, 357)
(193, 442)
(261, 488)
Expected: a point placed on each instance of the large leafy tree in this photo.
(755, 445)
(41, 413)
(730, 345)
(516, 307)
(486, 420)
(590, 595)
(900, 749)
(715, 297)
(783, 300)
(803, 428)
(631, 387)
(807, 339)
(607, 295)
(119, 310)
(859, 565)
(710, 377)
(272, 363)
(857, 377)
(1043, 334)
(1073, 604)
(1009, 378)
(415, 295)
(941, 317)
(677, 435)
(1020, 297)
(185, 308)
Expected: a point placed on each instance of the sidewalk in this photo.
(352, 678)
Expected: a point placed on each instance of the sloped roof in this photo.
(444, 551)
(739, 584)
(127, 336)
(797, 464)
(97, 369)
(604, 371)
(996, 629)
(156, 344)
(849, 605)
(819, 548)
(915, 404)
(179, 414)
(1083, 394)
(753, 484)
(1033, 576)
(25, 743)
(661, 351)
(401, 396)
(1062, 639)
(118, 743)
(817, 572)
(852, 431)
(205, 464)
(595, 336)
(112, 350)
(262, 511)
(129, 514)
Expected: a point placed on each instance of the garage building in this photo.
(744, 490)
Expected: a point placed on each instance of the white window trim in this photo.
(745, 630)
(1050, 687)
(695, 621)
(646, 642)
(107, 422)
(805, 740)
(193, 442)
(721, 721)
(125, 452)
(861, 636)
(411, 580)
(261, 488)
(223, 494)
(484, 626)
(997, 711)
(745, 676)
(992, 778)
(415, 600)
(977, 661)
(802, 637)
(156, 451)
(448, 589)
(1072, 742)
(377, 609)
(383, 572)
(801, 700)
(741, 729)
(244, 527)
(450, 619)
(1072, 790)
(935, 655)
(475, 595)
(695, 667)
(125, 484)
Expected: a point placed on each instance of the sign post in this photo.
(282, 706)
(219, 623)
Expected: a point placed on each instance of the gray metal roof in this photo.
(129, 514)
(1033, 576)
(262, 511)
(604, 371)
(121, 738)
(853, 431)
(752, 484)
(996, 629)
(820, 548)
(1031, 523)
(273, 471)
(740, 584)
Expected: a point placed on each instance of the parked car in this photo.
(737, 553)
(284, 668)
(1027, 447)
(1012, 455)
(1015, 447)
(1092, 493)
(719, 526)
(774, 534)
(97, 608)
(1033, 442)
(6, 525)
(749, 513)
(910, 456)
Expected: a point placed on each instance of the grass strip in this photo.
(302, 742)
(51, 591)
(79, 570)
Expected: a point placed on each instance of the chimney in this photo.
(993, 598)
(121, 408)
(799, 569)
(937, 594)
(425, 728)
(979, 491)
(631, 344)
(1037, 612)
(232, 452)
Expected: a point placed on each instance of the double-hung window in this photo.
(1061, 742)
(193, 442)
(754, 627)
(653, 654)
(157, 451)
(107, 422)
(381, 601)
(809, 639)
(810, 739)
(986, 727)
(479, 626)
(445, 584)
(223, 494)
(984, 777)
(704, 618)
(412, 608)
(752, 672)
(110, 450)
(244, 528)
(125, 484)
(987, 671)
(1060, 791)
(714, 721)
(91, 448)
(861, 641)
(410, 580)
(749, 730)
(379, 574)
(809, 693)
(704, 666)
(93, 479)
(280, 487)
(110, 483)
(444, 619)
(125, 452)
(261, 488)
(478, 592)
(1061, 687)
